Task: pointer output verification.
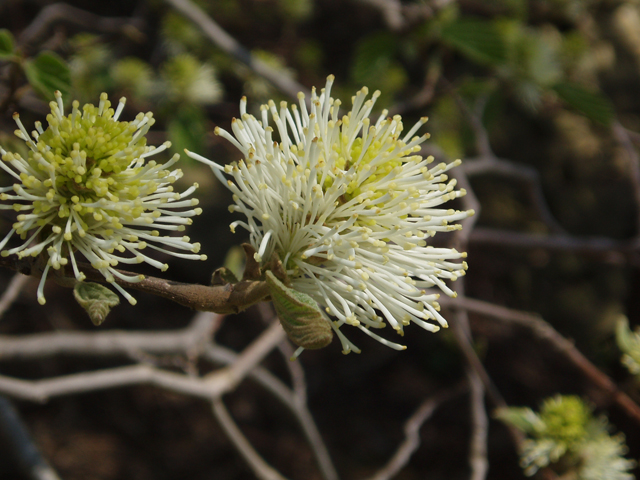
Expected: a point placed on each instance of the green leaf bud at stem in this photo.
(299, 315)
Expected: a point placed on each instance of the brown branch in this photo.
(12, 291)
(299, 400)
(424, 97)
(490, 164)
(624, 139)
(613, 251)
(545, 332)
(290, 399)
(209, 387)
(62, 12)
(108, 343)
(43, 390)
(229, 298)
(411, 429)
(249, 358)
(479, 379)
(181, 341)
(487, 162)
(260, 468)
(399, 17)
(474, 117)
(480, 428)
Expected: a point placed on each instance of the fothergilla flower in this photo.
(348, 205)
(88, 187)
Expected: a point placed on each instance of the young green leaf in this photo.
(479, 40)
(47, 73)
(591, 104)
(629, 343)
(299, 315)
(6, 44)
(187, 128)
(97, 300)
(373, 56)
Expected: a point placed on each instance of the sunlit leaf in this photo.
(479, 40)
(47, 73)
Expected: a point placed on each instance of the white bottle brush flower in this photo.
(348, 205)
(88, 187)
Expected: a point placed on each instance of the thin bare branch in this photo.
(391, 11)
(260, 468)
(411, 429)
(62, 12)
(130, 343)
(232, 47)
(483, 145)
(213, 385)
(399, 17)
(424, 97)
(12, 291)
(480, 428)
(296, 371)
(21, 446)
(250, 357)
(623, 137)
(490, 164)
(611, 251)
(219, 354)
(109, 343)
(633, 136)
(43, 390)
(545, 332)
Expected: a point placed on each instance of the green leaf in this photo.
(97, 300)
(187, 129)
(234, 260)
(223, 276)
(373, 56)
(629, 343)
(299, 315)
(296, 10)
(479, 40)
(524, 419)
(6, 44)
(47, 73)
(591, 104)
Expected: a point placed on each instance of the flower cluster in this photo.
(88, 187)
(567, 437)
(348, 205)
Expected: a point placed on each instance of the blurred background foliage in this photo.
(549, 80)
